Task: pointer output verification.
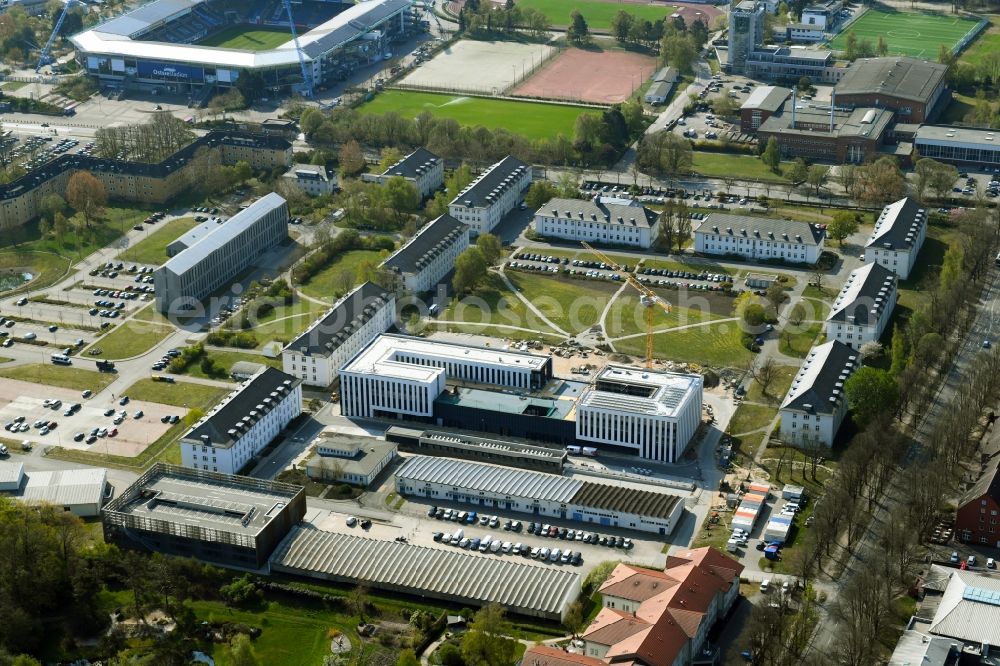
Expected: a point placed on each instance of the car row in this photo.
(569, 534)
(165, 360)
(488, 544)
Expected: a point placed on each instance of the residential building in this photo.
(421, 167)
(655, 618)
(746, 33)
(967, 147)
(311, 179)
(663, 83)
(915, 90)
(485, 201)
(976, 517)
(220, 256)
(824, 15)
(863, 307)
(237, 429)
(77, 491)
(599, 502)
(804, 32)
(423, 261)
(816, 404)
(898, 235)
(344, 458)
(349, 326)
(231, 520)
(764, 102)
(602, 220)
(759, 238)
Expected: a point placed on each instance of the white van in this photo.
(765, 586)
(484, 545)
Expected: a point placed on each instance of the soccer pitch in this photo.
(597, 13)
(907, 33)
(531, 119)
(248, 38)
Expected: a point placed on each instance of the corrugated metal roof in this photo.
(11, 473)
(421, 570)
(490, 479)
(964, 611)
(66, 488)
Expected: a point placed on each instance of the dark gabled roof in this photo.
(626, 500)
(254, 396)
(437, 236)
(499, 177)
(414, 164)
(898, 225)
(864, 295)
(601, 209)
(906, 78)
(343, 320)
(987, 484)
(818, 387)
(761, 228)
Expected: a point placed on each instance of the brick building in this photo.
(915, 90)
(764, 102)
(976, 518)
(817, 132)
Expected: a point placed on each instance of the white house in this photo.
(485, 201)
(759, 238)
(898, 235)
(802, 32)
(663, 82)
(430, 255)
(311, 179)
(349, 459)
(816, 403)
(604, 220)
(246, 421)
(78, 491)
(863, 307)
(354, 321)
(421, 167)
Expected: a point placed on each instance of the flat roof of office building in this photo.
(861, 122)
(68, 487)
(668, 391)
(509, 402)
(344, 319)
(948, 134)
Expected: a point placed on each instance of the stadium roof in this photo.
(432, 240)
(148, 16)
(819, 385)
(346, 317)
(761, 227)
(864, 296)
(906, 78)
(898, 225)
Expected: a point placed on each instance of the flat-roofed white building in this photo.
(77, 491)
(654, 413)
(759, 238)
(430, 255)
(898, 235)
(816, 404)
(863, 307)
(605, 220)
(311, 179)
(348, 327)
(246, 421)
(421, 167)
(484, 202)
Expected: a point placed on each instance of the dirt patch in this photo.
(598, 77)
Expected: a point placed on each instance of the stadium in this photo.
(193, 46)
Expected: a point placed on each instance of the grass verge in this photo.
(58, 375)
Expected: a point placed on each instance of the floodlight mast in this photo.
(306, 76)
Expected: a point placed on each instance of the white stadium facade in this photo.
(157, 45)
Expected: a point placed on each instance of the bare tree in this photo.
(764, 373)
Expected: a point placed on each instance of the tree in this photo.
(486, 641)
(574, 617)
(775, 295)
(50, 205)
(845, 223)
(764, 373)
(241, 652)
(870, 350)
(402, 196)
(352, 160)
(817, 176)
(665, 152)
(678, 50)
(870, 392)
(86, 195)
(390, 155)
(578, 32)
(470, 269)
(798, 172)
(491, 247)
(749, 309)
(772, 155)
(881, 182)
(310, 120)
(407, 658)
(539, 194)
(851, 50)
(897, 352)
(621, 25)
(882, 48)
(682, 234)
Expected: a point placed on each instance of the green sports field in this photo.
(248, 38)
(907, 33)
(597, 13)
(531, 119)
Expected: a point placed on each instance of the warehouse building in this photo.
(663, 83)
(440, 574)
(230, 520)
(430, 255)
(816, 404)
(485, 201)
(348, 327)
(603, 220)
(863, 307)
(313, 180)
(963, 146)
(609, 504)
(915, 90)
(898, 235)
(218, 258)
(349, 459)
(759, 238)
(763, 102)
(78, 491)
(247, 420)
(494, 450)
(421, 167)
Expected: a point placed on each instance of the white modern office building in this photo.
(311, 179)
(598, 502)
(421, 167)
(220, 256)
(898, 235)
(484, 202)
(430, 255)
(348, 327)
(247, 420)
(653, 413)
(966, 146)
(604, 220)
(816, 404)
(863, 307)
(759, 238)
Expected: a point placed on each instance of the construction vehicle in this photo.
(647, 297)
(45, 58)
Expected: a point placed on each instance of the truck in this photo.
(106, 366)
(589, 451)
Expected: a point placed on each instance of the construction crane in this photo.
(647, 297)
(44, 58)
(306, 76)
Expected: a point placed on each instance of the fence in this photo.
(970, 36)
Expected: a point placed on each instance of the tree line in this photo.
(152, 141)
(487, 18)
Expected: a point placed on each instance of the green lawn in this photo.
(248, 38)
(778, 388)
(326, 284)
(987, 42)
(152, 249)
(491, 304)
(598, 14)
(628, 316)
(534, 120)
(802, 339)
(750, 417)
(816, 309)
(917, 34)
(287, 321)
(495, 331)
(572, 305)
(744, 167)
(77, 244)
(46, 269)
(226, 359)
(177, 394)
(150, 314)
(128, 339)
(59, 375)
(11, 86)
(717, 344)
